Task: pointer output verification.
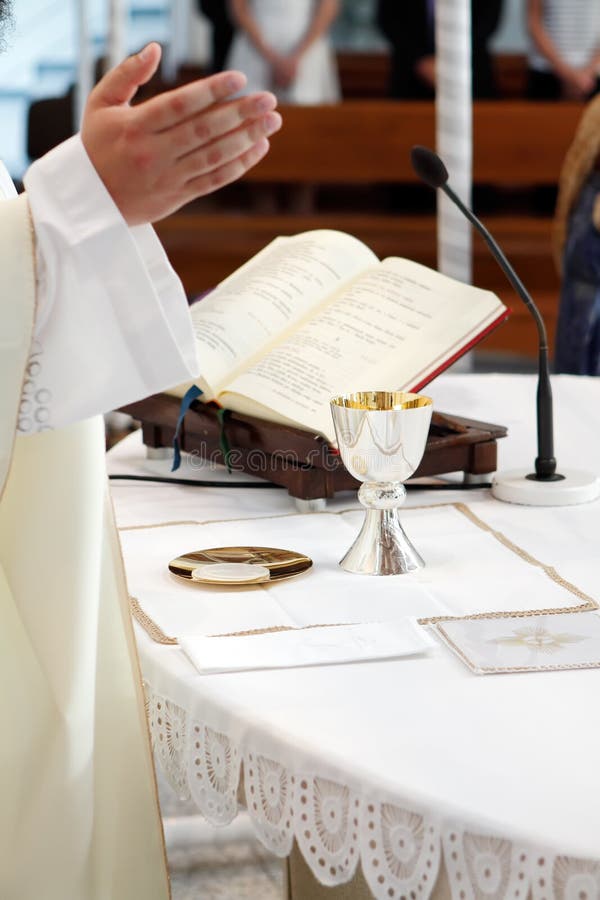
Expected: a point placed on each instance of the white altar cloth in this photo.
(387, 762)
(461, 556)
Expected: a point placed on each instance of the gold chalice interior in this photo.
(381, 400)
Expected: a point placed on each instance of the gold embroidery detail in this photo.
(538, 638)
(588, 602)
(148, 624)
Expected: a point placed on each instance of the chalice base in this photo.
(382, 547)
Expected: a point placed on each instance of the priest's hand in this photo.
(182, 144)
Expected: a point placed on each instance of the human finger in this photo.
(227, 148)
(172, 107)
(218, 178)
(120, 84)
(221, 119)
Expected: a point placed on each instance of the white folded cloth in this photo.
(327, 645)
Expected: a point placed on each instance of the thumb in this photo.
(120, 84)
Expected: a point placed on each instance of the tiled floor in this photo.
(216, 864)
(237, 871)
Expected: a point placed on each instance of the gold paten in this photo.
(381, 400)
(280, 563)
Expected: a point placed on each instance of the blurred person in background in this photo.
(577, 250)
(222, 31)
(564, 59)
(283, 46)
(410, 30)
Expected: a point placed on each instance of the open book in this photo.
(316, 314)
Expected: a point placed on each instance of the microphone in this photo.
(429, 168)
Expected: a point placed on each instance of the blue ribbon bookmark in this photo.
(192, 394)
(223, 440)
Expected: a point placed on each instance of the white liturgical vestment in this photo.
(105, 323)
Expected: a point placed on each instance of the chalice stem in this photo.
(382, 546)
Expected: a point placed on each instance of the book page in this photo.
(268, 296)
(391, 328)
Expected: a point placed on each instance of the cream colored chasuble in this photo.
(79, 818)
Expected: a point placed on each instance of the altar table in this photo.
(398, 774)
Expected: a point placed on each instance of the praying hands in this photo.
(161, 154)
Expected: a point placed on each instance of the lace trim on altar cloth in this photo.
(400, 850)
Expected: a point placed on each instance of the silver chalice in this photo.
(381, 437)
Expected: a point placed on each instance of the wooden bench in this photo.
(365, 74)
(516, 145)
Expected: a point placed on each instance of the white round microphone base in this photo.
(576, 487)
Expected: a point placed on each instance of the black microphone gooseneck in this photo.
(430, 169)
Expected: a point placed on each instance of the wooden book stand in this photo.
(298, 460)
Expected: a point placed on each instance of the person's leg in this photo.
(484, 76)
(404, 83)
(543, 85)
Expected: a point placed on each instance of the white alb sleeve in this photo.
(112, 324)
